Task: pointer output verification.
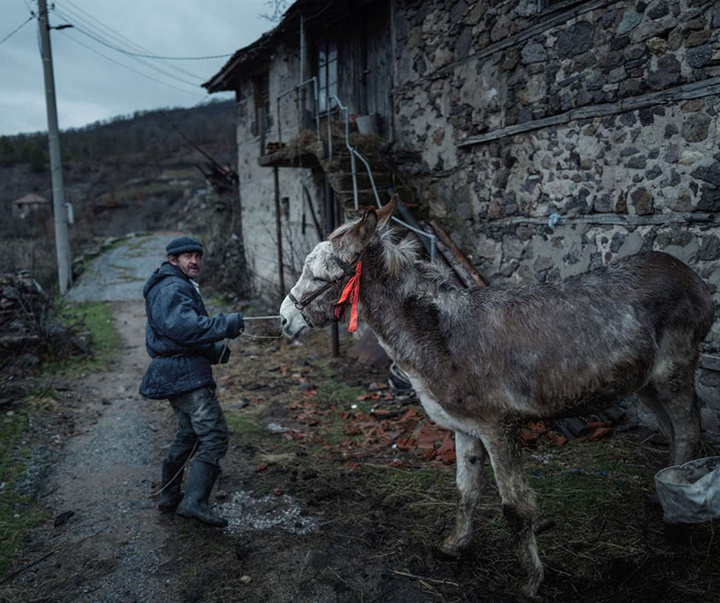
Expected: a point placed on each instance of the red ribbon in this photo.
(350, 296)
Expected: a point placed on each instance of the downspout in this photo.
(302, 48)
(394, 63)
(303, 52)
(278, 232)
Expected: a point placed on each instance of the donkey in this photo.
(484, 361)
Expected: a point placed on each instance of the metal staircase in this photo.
(359, 169)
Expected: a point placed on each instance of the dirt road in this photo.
(335, 491)
(106, 543)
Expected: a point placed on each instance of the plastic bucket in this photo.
(690, 493)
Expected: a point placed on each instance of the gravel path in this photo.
(107, 541)
(120, 272)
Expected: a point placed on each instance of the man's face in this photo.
(189, 263)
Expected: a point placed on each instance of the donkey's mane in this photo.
(402, 256)
(399, 255)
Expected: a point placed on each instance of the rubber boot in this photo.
(200, 482)
(170, 495)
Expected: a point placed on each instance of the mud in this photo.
(327, 499)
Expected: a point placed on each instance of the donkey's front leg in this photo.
(518, 504)
(471, 456)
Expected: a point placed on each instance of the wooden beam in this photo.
(708, 87)
(452, 256)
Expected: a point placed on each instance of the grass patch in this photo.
(19, 511)
(41, 399)
(424, 487)
(584, 478)
(251, 432)
(332, 392)
(105, 342)
(177, 173)
(337, 414)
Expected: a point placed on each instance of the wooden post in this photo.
(62, 245)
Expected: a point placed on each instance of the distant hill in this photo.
(159, 130)
(126, 158)
(123, 175)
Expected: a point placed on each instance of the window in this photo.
(261, 99)
(327, 75)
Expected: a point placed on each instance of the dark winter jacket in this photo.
(181, 339)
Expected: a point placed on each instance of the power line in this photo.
(17, 29)
(106, 28)
(101, 34)
(142, 52)
(166, 58)
(96, 38)
(145, 75)
(145, 63)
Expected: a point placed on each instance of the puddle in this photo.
(247, 514)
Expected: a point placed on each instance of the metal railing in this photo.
(353, 152)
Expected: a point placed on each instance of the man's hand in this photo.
(225, 355)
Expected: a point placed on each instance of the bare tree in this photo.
(277, 9)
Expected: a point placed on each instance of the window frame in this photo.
(327, 64)
(261, 102)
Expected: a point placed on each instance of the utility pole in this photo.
(62, 245)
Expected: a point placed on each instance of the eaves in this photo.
(316, 16)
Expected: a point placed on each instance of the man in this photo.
(183, 342)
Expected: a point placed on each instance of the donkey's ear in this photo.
(353, 240)
(386, 211)
(349, 241)
(364, 230)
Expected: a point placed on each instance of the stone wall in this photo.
(545, 142)
(551, 143)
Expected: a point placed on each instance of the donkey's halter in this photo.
(348, 270)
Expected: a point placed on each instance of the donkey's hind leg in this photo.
(471, 456)
(518, 503)
(673, 399)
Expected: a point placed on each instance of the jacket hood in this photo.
(166, 270)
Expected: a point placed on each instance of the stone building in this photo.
(29, 205)
(545, 137)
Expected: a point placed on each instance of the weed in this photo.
(97, 319)
(41, 399)
(19, 512)
(330, 391)
(246, 427)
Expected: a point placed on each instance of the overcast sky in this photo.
(95, 76)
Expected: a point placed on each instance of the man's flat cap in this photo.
(184, 245)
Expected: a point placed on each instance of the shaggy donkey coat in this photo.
(484, 361)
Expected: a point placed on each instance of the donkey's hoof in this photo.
(443, 554)
(529, 591)
(447, 552)
(529, 594)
